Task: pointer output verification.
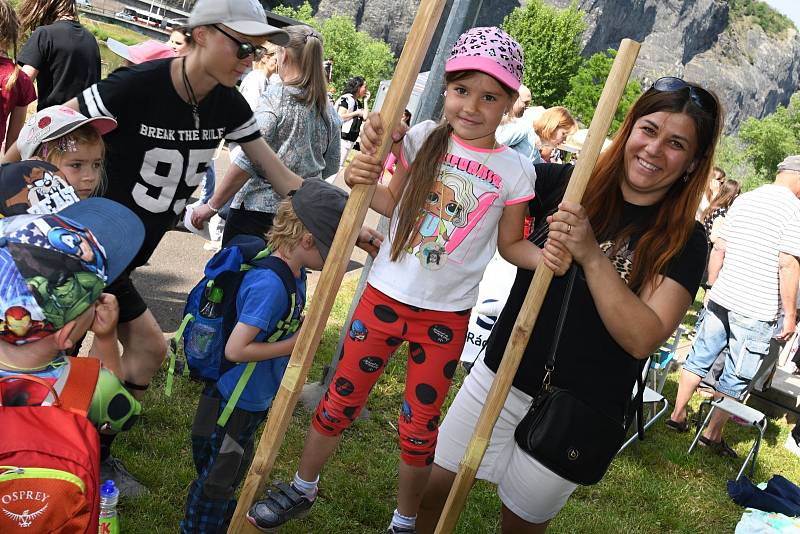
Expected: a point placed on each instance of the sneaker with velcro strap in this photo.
(284, 502)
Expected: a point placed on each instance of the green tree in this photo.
(767, 141)
(730, 156)
(587, 85)
(354, 53)
(551, 40)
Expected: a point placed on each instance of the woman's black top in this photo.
(588, 360)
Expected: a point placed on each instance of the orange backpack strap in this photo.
(76, 396)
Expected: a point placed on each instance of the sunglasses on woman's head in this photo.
(700, 97)
(245, 49)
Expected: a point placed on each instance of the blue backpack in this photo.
(210, 314)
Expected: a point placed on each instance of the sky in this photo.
(790, 8)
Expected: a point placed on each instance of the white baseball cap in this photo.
(54, 122)
(244, 16)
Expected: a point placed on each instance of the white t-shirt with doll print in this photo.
(457, 229)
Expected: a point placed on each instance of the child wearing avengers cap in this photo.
(51, 294)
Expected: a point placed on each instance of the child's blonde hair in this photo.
(287, 229)
(53, 151)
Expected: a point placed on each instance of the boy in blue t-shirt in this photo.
(53, 270)
(301, 235)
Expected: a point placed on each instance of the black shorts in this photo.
(131, 303)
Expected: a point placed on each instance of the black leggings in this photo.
(248, 222)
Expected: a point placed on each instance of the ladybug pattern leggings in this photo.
(380, 324)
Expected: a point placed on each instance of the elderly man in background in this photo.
(753, 271)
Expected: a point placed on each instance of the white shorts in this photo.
(525, 486)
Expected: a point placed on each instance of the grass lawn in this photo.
(653, 486)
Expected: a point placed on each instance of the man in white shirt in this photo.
(754, 271)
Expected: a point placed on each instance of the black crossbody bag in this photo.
(573, 439)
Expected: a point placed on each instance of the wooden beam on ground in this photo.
(419, 38)
(606, 108)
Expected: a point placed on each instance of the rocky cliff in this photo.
(752, 72)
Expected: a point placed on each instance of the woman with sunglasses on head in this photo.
(638, 255)
(297, 121)
(172, 114)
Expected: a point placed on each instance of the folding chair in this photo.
(654, 375)
(752, 418)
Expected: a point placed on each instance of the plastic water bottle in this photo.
(208, 324)
(109, 520)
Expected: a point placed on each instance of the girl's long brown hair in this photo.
(9, 35)
(37, 13)
(674, 220)
(423, 173)
(728, 192)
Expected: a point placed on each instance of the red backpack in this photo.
(50, 456)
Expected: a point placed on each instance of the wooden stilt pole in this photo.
(606, 107)
(419, 38)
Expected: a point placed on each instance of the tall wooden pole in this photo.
(606, 107)
(419, 38)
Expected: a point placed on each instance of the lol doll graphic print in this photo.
(454, 208)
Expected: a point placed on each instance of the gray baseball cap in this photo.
(319, 206)
(244, 16)
(791, 163)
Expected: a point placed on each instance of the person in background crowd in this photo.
(265, 72)
(716, 178)
(180, 39)
(713, 218)
(61, 55)
(353, 110)
(753, 272)
(521, 103)
(16, 89)
(552, 128)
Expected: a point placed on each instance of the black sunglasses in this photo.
(245, 49)
(700, 97)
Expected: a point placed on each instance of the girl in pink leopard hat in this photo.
(455, 198)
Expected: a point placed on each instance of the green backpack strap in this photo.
(172, 351)
(236, 393)
(285, 326)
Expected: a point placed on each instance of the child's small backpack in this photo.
(210, 313)
(50, 454)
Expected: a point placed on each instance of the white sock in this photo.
(308, 488)
(403, 521)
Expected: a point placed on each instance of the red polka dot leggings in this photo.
(380, 324)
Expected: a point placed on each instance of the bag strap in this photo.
(550, 363)
(290, 323)
(81, 382)
(172, 352)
